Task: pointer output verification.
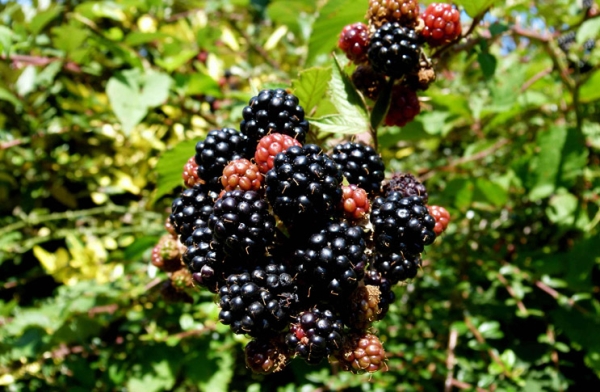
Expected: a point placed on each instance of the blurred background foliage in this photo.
(101, 103)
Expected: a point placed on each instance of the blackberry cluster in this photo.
(580, 63)
(360, 164)
(302, 247)
(304, 185)
(395, 46)
(273, 111)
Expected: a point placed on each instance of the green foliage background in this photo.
(101, 103)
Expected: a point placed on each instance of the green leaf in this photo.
(337, 124)
(562, 208)
(170, 166)
(346, 100)
(436, 122)
(492, 192)
(589, 91)
(285, 12)
(159, 379)
(475, 7)
(5, 39)
(138, 38)
(131, 94)
(26, 82)
(42, 19)
(574, 157)
(310, 87)
(545, 167)
(326, 30)
(509, 358)
(203, 84)
(590, 29)
(488, 63)
(6, 95)
(171, 63)
(220, 379)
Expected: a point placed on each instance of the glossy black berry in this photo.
(360, 164)
(304, 185)
(241, 222)
(407, 185)
(394, 50)
(402, 225)
(273, 111)
(213, 153)
(191, 209)
(315, 335)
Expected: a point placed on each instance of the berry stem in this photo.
(381, 108)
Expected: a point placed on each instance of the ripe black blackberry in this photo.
(213, 153)
(367, 81)
(241, 222)
(205, 259)
(266, 355)
(402, 225)
(360, 164)
(333, 261)
(191, 209)
(316, 335)
(407, 185)
(405, 12)
(394, 50)
(259, 302)
(396, 267)
(273, 111)
(304, 185)
(565, 41)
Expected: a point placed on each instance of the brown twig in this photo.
(451, 360)
(556, 295)
(479, 337)
(535, 78)
(512, 293)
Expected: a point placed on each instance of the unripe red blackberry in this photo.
(404, 106)
(394, 50)
(182, 279)
(316, 335)
(166, 255)
(269, 146)
(190, 173)
(241, 174)
(273, 111)
(442, 218)
(364, 307)
(407, 185)
(405, 12)
(266, 355)
(442, 24)
(170, 228)
(354, 41)
(355, 202)
(360, 164)
(362, 353)
(367, 81)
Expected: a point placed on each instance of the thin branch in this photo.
(556, 295)
(535, 78)
(512, 293)
(450, 360)
(479, 337)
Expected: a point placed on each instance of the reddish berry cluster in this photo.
(442, 218)
(390, 48)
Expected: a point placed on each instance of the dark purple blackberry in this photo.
(386, 294)
(213, 153)
(304, 185)
(332, 261)
(258, 302)
(587, 4)
(402, 225)
(360, 164)
(407, 185)
(565, 41)
(396, 267)
(266, 355)
(191, 209)
(205, 259)
(316, 335)
(273, 111)
(242, 223)
(394, 50)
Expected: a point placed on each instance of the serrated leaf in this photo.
(492, 192)
(590, 29)
(475, 7)
(589, 91)
(545, 168)
(332, 18)
(42, 19)
(170, 166)
(311, 86)
(337, 124)
(346, 100)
